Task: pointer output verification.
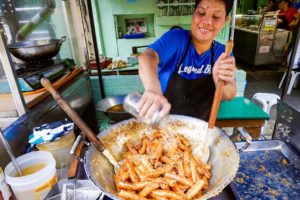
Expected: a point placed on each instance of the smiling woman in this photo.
(207, 21)
(180, 70)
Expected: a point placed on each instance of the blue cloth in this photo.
(170, 48)
(51, 131)
(296, 5)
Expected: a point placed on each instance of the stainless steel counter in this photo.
(259, 48)
(79, 95)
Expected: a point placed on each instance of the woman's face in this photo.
(285, 6)
(208, 20)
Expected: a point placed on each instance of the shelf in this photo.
(129, 68)
(179, 8)
(167, 20)
(124, 24)
(173, 20)
(117, 71)
(187, 19)
(176, 4)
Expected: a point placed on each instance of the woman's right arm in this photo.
(152, 99)
(295, 22)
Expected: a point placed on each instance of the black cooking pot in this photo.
(113, 108)
(36, 50)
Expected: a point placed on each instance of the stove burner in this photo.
(37, 65)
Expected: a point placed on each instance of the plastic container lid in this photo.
(61, 142)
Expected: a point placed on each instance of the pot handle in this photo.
(63, 38)
(76, 144)
(76, 153)
(245, 137)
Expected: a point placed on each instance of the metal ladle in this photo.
(10, 153)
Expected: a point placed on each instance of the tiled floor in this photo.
(267, 79)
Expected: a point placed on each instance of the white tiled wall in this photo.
(114, 85)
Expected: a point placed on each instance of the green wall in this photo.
(113, 12)
(108, 9)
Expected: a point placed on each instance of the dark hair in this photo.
(289, 2)
(228, 5)
(176, 27)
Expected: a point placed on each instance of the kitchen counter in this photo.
(263, 48)
(34, 97)
(118, 71)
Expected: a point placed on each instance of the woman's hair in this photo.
(228, 5)
(289, 2)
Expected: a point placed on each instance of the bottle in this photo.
(259, 10)
(5, 192)
(130, 103)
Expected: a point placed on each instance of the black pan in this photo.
(36, 50)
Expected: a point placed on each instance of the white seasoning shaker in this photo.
(130, 103)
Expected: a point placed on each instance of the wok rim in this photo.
(114, 112)
(91, 150)
(122, 96)
(30, 44)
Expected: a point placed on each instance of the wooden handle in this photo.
(74, 162)
(219, 92)
(229, 47)
(72, 114)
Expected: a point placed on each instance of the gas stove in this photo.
(27, 74)
(53, 69)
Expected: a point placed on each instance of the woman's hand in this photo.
(224, 69)
(151, 102)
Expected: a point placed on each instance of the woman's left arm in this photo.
(224, 69)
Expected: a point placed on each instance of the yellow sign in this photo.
(270, 24)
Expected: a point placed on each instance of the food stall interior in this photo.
(265, 43)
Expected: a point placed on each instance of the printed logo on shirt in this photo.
(204, 69)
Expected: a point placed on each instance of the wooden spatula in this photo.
(218, 92)
(64, 105)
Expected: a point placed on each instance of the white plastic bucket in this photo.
(34, 186)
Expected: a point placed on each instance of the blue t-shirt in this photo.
(296, 5)
(170, 48)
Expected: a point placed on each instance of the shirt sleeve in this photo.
(167, 45)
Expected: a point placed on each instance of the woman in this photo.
(288, 17)
(180, 70)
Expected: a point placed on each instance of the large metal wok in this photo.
(105, 105)
(224, 156)
(36, 50)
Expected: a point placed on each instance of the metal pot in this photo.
(116, 115)
(224, 156)
(36, 50)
